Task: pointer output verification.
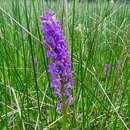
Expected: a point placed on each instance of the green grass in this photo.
(97, 34)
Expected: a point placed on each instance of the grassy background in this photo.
(98, 34)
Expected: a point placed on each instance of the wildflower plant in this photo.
(107, 68)
(60, 67)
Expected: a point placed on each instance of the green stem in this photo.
(64, 125)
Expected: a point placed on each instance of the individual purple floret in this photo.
(59, 107)
(60, 68)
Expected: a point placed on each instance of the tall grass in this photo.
(97, 33)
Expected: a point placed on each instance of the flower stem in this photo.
(64, 125)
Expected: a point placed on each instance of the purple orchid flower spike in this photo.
(107, 68)
(60, 68)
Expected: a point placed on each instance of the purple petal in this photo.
(59, 107)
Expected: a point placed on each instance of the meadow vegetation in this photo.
(98, 35)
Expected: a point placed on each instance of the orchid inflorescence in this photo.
(57, 50)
